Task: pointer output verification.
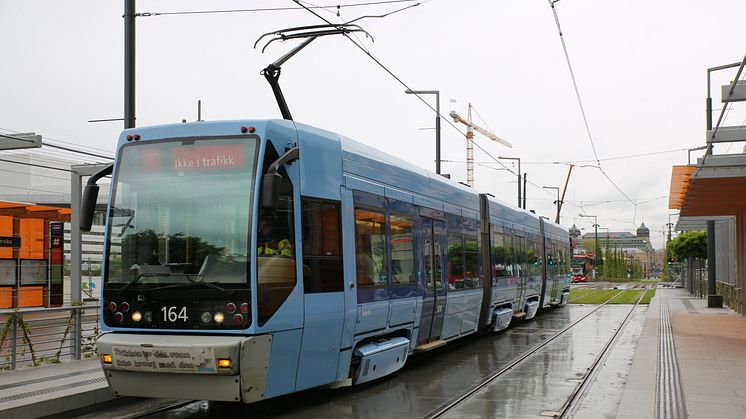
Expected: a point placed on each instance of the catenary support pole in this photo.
(129, 63)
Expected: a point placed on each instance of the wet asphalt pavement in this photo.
(539, 386)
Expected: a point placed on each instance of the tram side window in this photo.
(370, 240)
(500, 256)
(510, 266)
(521, 257)
(322, 257)
(276, 269)
(552, 259)
(532, 254)
(472, 273)
(566, 270)
(402, 249)
(455, 261)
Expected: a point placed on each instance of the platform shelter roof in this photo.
(30, 210)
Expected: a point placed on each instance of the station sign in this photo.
(10, 241)
(57, 228)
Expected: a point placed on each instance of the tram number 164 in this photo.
(173, 313)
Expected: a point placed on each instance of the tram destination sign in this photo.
(10, 241)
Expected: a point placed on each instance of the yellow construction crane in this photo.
(470, 128)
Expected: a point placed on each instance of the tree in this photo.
(692, 244)
(666, 273)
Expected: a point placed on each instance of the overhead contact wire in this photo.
(574, 82)
(580, 101)
(400, 81)
(269, 9)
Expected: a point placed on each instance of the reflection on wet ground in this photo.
(602, 399)
(539, 385)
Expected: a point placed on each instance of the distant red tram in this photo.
(580, 265)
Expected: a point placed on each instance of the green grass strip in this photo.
(579, 292)
(628, 297)
(648, 296)
(595, 297)
(586, 296)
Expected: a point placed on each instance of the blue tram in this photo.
(250, 259)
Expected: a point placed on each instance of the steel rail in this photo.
(161, 409)
(456, 401)
(573, 401)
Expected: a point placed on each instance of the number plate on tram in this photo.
(173, 314)
(164, 359)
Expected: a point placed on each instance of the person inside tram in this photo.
(269, 242)
(366, 267)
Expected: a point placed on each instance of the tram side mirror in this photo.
(88, 206)
(271, 183)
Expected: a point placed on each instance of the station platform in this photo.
(689, 362)
(43, 391)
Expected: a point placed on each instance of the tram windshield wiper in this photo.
(196, 282)
(164, 271)
(194, 279)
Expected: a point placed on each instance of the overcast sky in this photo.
(640, 66)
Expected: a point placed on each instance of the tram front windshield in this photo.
(180, 213)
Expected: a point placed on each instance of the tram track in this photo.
(574, 398)
(504, 354)
(161, 409)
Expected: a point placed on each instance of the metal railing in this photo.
(40, 336)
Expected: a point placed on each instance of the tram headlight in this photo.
(206, 317)
(148, 316)
(136, 316)
(106, 359)
(218, 317)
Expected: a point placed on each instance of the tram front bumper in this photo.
(225, 368)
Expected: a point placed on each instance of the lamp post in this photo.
(595, 254)
(556, 220)
(519, 176)
(437, 121)
(669, 225)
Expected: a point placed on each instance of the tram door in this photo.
(433, 305)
